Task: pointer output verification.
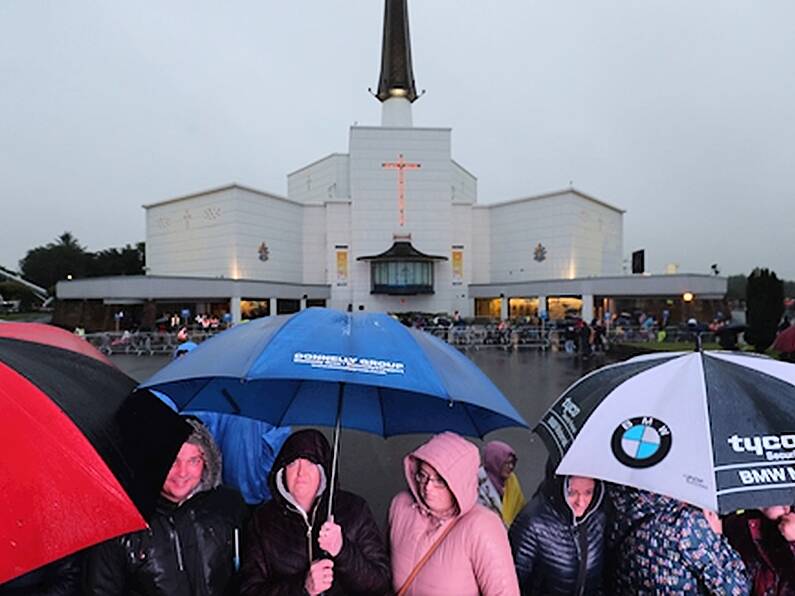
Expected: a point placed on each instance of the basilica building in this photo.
(393, 224)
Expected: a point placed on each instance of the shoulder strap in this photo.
(421, 563)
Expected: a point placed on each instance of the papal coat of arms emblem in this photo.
(540, 252)
(264, 252)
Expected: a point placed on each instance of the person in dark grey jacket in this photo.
(558, 539)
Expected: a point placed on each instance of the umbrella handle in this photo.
(336, 450)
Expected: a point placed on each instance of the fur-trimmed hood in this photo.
(202, 438)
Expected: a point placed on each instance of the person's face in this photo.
(579, 494)
(185, 473)
(303, 479)
(507, 467)
(775, 512)
(713, 520)
(433, 490)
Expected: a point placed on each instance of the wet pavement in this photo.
(372, 466)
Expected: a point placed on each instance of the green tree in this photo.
(764, 301)
(46, 265)
(128, 260)
(11, 290)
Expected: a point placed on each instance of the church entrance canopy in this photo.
(401, 270)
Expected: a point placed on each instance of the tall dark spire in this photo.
(397, 76)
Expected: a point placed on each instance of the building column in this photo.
(272, 306)
(542, 307)
(303, 303)
(234, 309)
(587, 308)
(503, 307)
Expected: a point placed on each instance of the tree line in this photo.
(55, 261)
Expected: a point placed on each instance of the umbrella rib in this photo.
(472, 420)
(195, 394)
(280, 422)
(381, 407)
(703, 360)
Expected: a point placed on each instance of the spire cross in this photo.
(400, 165)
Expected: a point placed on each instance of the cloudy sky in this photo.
(680, 112)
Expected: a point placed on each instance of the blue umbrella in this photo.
(364, 371)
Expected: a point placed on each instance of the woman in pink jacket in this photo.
(471, 554)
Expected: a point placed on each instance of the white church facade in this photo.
(392, 225)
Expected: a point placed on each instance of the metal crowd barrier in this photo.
(140, 343)
(464, 337)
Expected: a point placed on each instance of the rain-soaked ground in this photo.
(372, 466)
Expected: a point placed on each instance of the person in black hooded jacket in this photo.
(558, 539)
(59, 578)
(189, 548)
(293, 550)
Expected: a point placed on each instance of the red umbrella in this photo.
(785, 340)
(52, 336)
(82, 459)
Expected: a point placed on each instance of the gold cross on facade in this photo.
(400, 165)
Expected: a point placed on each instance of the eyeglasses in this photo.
(423, 478)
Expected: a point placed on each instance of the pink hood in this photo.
(456, 460)
(475, 558)
(495, 455)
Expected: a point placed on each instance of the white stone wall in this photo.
(374, 213)
(481, 245)
(582, 238)
(464, 188)
(462, 234)
(598, 239)
(278, 222)
(338, 234)
(517, 228)
(194, 236)
(314, 244)
(323, 180)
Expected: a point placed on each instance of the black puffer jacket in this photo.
(277, 559)
(188, 549)
(60, 578)
(553, 552)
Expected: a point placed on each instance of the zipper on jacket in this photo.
(309, 526)
(177, 544)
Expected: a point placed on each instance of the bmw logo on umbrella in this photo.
(641, 442)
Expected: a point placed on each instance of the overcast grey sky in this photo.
(680, 112)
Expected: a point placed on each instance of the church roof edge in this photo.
(459, 166)
(210, 191)
(550, 195)
(317, 161)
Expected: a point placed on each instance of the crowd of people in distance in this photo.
(459, 528)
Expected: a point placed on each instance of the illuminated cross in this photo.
(401, 165)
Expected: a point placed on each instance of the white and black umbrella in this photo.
(715, 429)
